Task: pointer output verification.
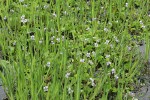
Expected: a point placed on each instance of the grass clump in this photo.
(72, 49)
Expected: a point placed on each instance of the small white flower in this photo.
(129, 48)
(25, 5)
(48, 64)
(107, 41)
(58, 39)
(45, 6)
(113, 71)
(63, 38)
(45, 88)
(90, 62)
(91, 79)
(106, 29)
(108, 63)
(54, 14)
(92, 82)
(14, 43)
(21, 0)
(45, 28)
(88, 54)
(67, 75)
(149, 15)
(93, 53)
(32, 37)
(96, 44)
(87, 29)
(5, 18)
(65, 12)
(143, 26)
(110, 23)
(107, 56)
(52, 37)
(40, 41)
(131, 94)
(116, 77)
(82, 60)
(93, 19)
(111, 46)
(98, 40)
(52, 42)
(70, 90)
(12, 11)
(141, 22)
(126, 4)
(116, 39)
(23, 16)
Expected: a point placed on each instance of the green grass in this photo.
(72, 50)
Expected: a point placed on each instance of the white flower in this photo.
(116, 77)
(25, 5)
(108, 63)
(52, 42)
(5, 18)
(96, 44)
(32, 37)
(21, 0)
(92, 82)
(65, 12)
(107, 41)
(93, 19)
(126, 4)
(45, 28)
(63, 37)
(93, 53)
(90, 62)
(11, 10)
(143, 26)
(23, 20)
(107, 56)
(82, 60)
(23, 16)
(141, 22)
(48, 64)
(91, 79)
(113, 71)
(129, 48)
(45, 6)
(70, 90)
(106, 29)
(40, 41)
(116, 39)
(14, 43)
(131, 94)
(52, 37)
(111, 46)
(88, 54)
(87, 29)
(58, 39)
(45, 88)
(98, 40)
(54, 14)
(67, 75)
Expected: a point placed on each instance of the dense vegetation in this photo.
(72, 49)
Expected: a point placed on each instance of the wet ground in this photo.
(144, 91)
